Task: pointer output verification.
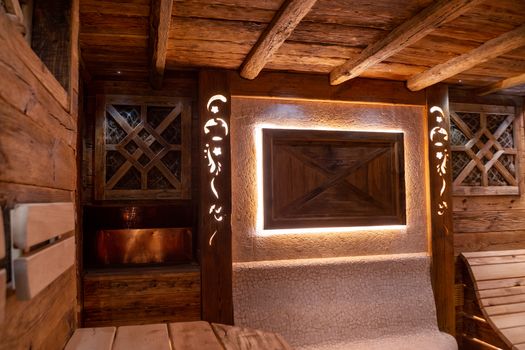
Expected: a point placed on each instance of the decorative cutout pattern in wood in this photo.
(144, 151)
(484, 151)
(316, 178)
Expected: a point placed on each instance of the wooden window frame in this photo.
(485, 189)
(102, 192)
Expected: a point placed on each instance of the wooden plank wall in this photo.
(37, 157)
(491, 222)
(483, 223)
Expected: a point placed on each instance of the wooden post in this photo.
(441, 206)
(215, 197)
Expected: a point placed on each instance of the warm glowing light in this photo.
(213, 152)
(260, 189)
(441, 154)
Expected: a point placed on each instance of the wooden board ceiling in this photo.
(114, 37)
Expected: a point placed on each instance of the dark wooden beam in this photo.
(443, 274)
(489, 50)
(279, 29)
(215, 197)
(160, 20)
(502, 84)
(317, 87)
(405, 35)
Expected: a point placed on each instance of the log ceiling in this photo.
(310, 36)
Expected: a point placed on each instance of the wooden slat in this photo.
(510, 320)
(403, 36)
(499, 292)
(193, 336)
(3, 282)
(502, 84)
(494, 253)
(35, 223)
(159, 29)
(498, 271)
(491, 49)
(237, 338)
(509, 259)
(504, 309)
(500, 283)
(144, 337)
(100, 338)
(281, 27)
(509, 299)
(36, 271)
(515, 335)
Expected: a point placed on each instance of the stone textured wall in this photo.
(251, 244)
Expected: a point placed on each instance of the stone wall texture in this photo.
(251, 243)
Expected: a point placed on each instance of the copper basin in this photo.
(144, 246)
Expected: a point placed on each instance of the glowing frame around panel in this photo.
(260, 231)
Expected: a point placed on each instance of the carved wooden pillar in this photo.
(215, 197)
(441, 206)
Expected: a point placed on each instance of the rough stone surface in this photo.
(250, 113)
(341, 303)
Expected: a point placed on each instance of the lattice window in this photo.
(484, 149)
(143, 148)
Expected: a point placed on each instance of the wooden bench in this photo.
(498, 281)
(198, 335)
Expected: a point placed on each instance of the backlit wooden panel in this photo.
(318, 178)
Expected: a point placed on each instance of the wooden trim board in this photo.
(2, 235)
(92, 339)
(35, 223)
(36, 271)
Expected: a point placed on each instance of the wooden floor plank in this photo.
(143, 337)
(100, 338)
(510, 320)
(238, 338)
(196, 335)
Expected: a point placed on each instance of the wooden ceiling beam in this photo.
(160, 20)
(404, 35)
(279, 29)
(502, 84)
(489, 50)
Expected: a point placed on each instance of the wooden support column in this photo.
(215, 197)
(441, 206)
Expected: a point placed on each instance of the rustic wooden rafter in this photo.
(489, 50)
(160, 20)
(279, 29)
(502, 84)
(404, 35)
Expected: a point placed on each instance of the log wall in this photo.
(37, 164)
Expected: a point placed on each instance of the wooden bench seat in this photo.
(498, 279)
(198, 335)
